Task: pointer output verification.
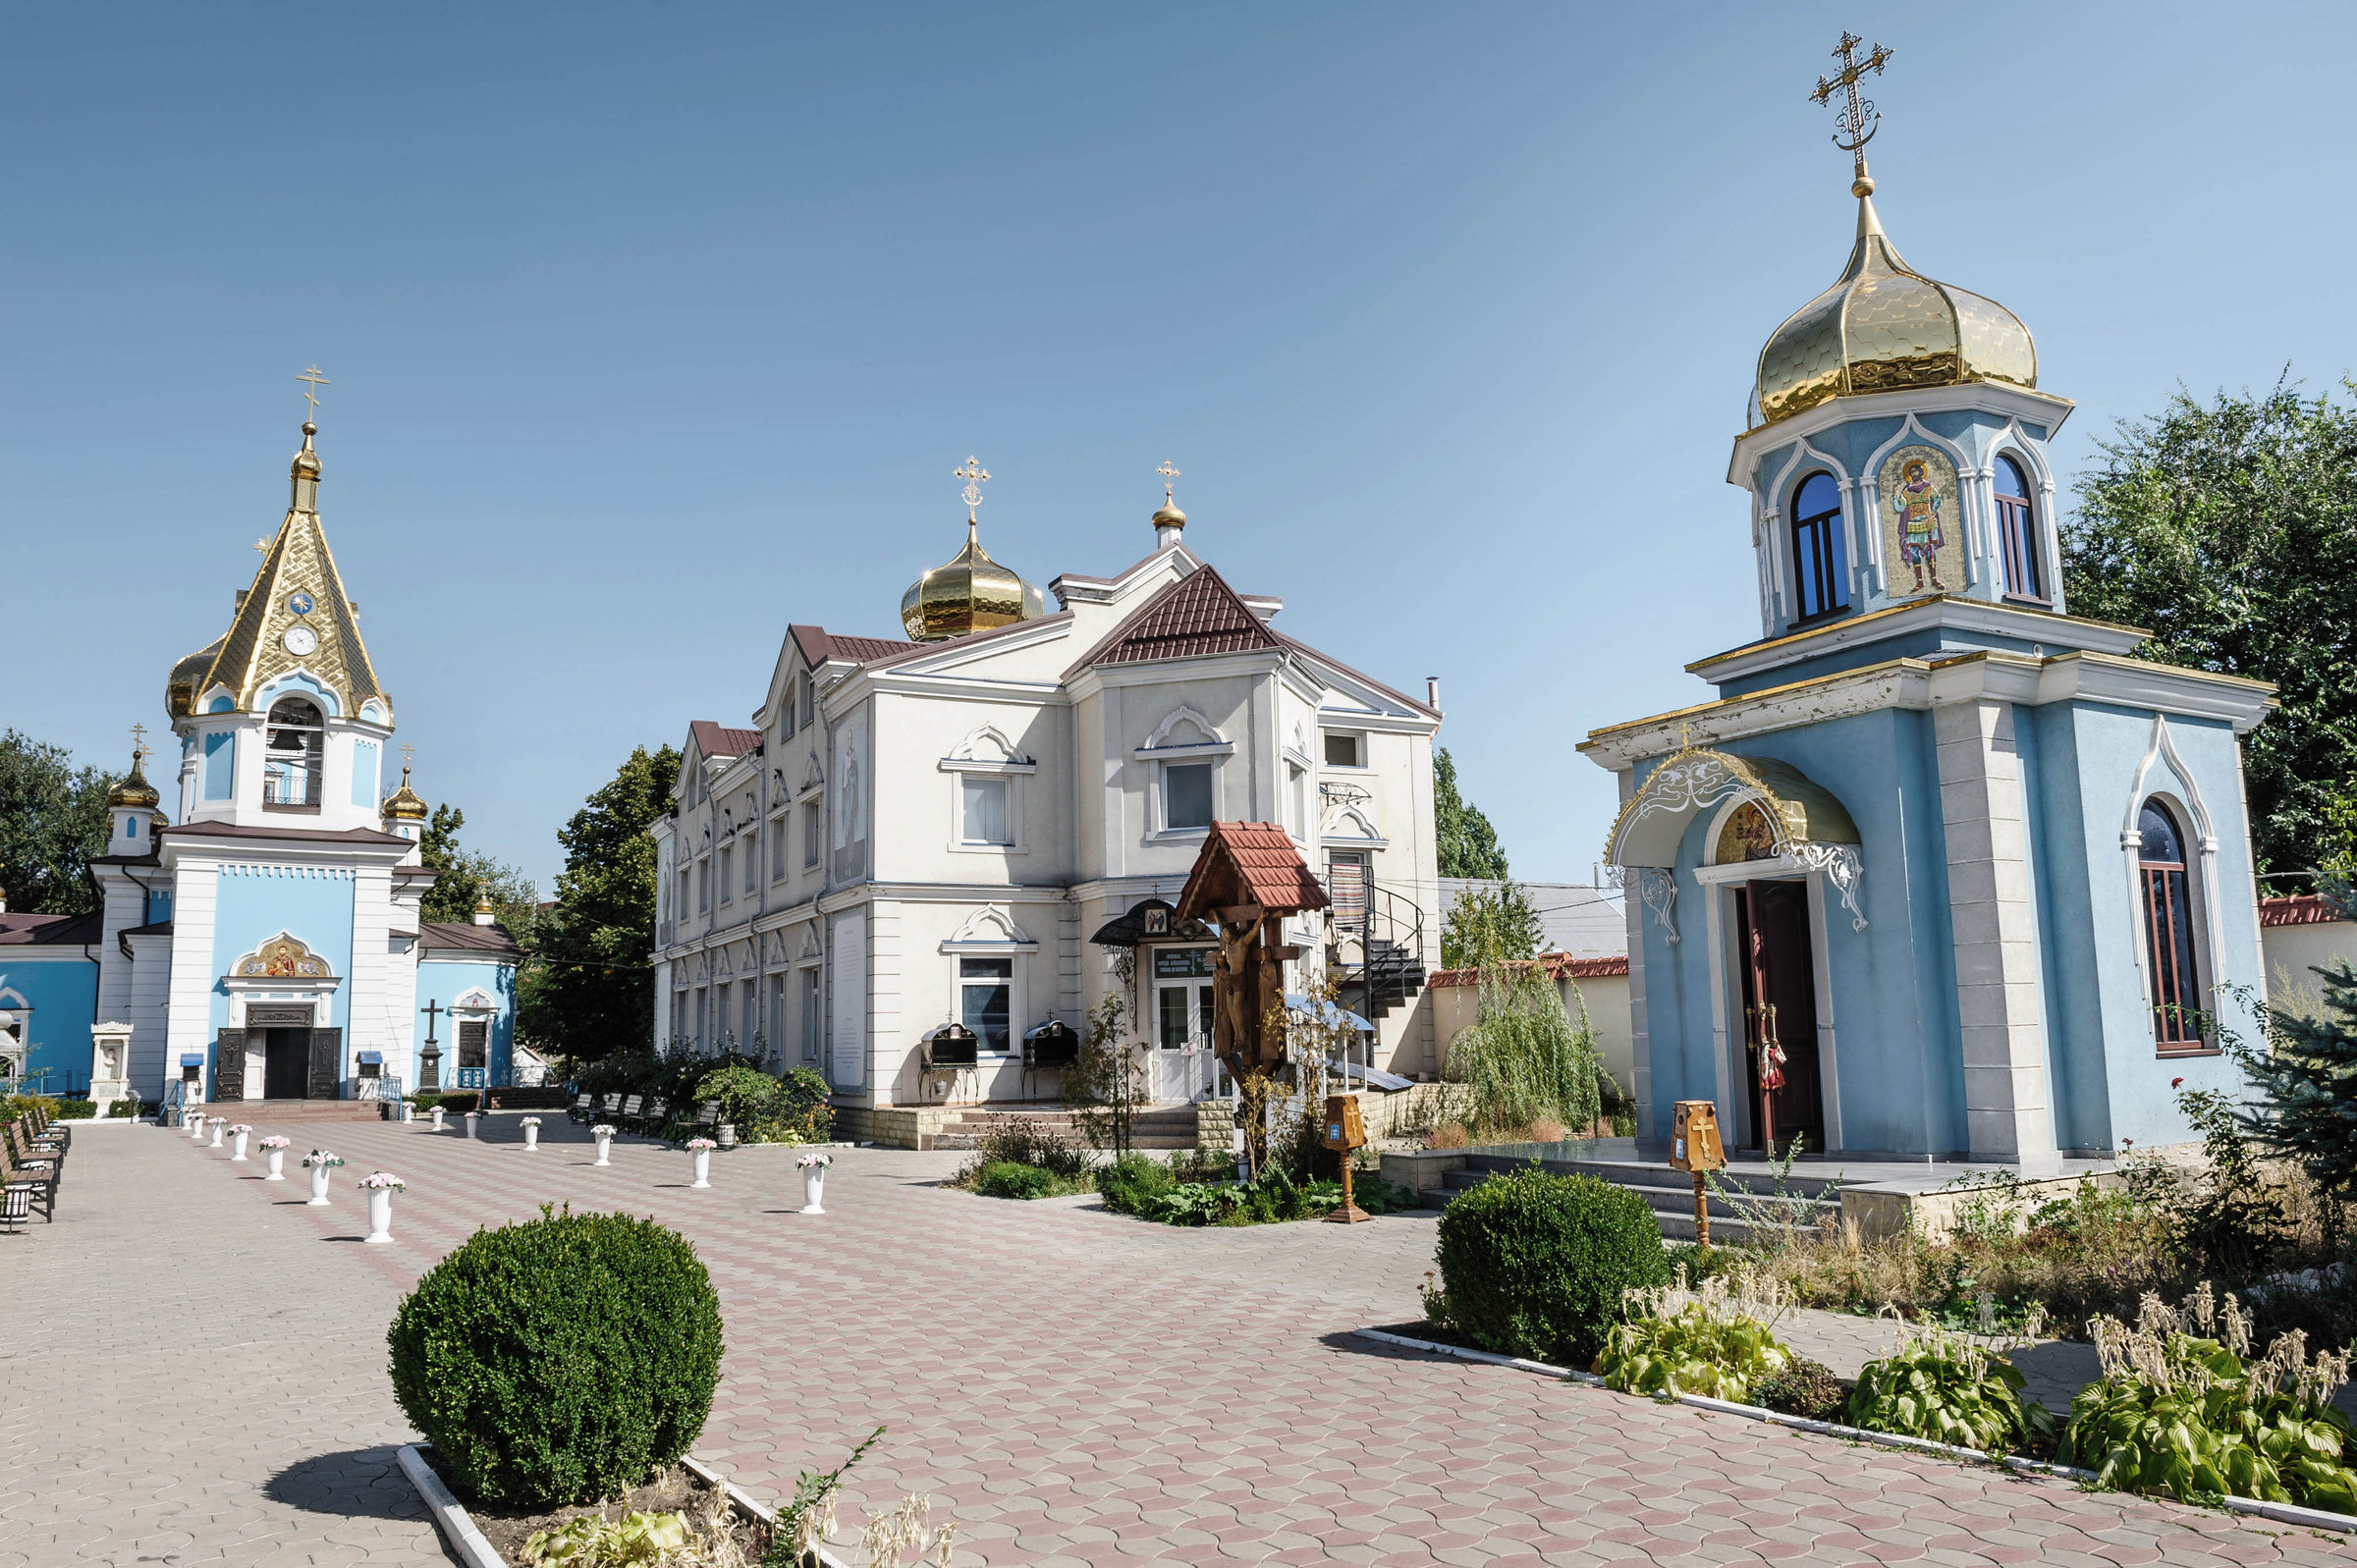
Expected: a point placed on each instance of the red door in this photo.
(1779, 1013)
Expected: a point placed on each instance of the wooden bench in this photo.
(41, 1133)
(29, 1152)
(20, 1185)
(583, 1109)
(657, 1117)
(629, 1120)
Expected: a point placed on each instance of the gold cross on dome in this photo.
(974, 474)
(1858, 117)
(310, 393)
(405, 749)
(139, 742)
(1168, 473)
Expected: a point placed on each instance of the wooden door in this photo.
(1779, 1008)
(327, 1064)
(228, 1064)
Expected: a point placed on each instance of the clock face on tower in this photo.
(300, 641)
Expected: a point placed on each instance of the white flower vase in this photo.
(531, 1137)
(380, 1214)
(604, 1146)
(319, 1175)
(472, 1117)
(237, 1145)
(815, 1185)
(196, 1127)
(216, 1143)
(278, 1165)
(437, 1118)
(703, 1167)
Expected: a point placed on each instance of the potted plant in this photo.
(472, 1117)
(603, 1132)
(238, 1132)
(532, 1133)
(728, 1135)
(319, 1161)
(217, 1123)
(700, 1149)
(274, 1148)
(814, 1165)
(380, 1186)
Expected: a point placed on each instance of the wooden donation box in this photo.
(1694, 1146)
(1345, 1131)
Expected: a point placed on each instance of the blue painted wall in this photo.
(61, 988)
(313, 904)
(441, 980)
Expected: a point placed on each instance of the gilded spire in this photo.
(1168, 516)
(134, 789)
(403, 804)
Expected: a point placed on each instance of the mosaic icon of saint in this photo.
(1920, 533)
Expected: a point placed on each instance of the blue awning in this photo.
(372, 1059)
(191, 1058)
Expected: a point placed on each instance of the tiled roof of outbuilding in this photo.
(30, 930)
(468, 937)
(2300, 910)
(1559, 966)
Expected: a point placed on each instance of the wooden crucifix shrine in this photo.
(1246, 880)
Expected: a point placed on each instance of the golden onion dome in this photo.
(1884, 327)
(180, 686)
(971, 593)
(1168, 515)
(134, 789)
(403, 804)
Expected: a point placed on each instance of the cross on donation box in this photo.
(1345, 1131)
(1694, 1146)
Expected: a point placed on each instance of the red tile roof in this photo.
(1197, 614)
(719, 741)
(2303, 909)
(819, 646)
(1247, 862)
(1558, 965)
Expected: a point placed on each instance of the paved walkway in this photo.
(1072, 1387)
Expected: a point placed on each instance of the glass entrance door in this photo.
(1182, 1023)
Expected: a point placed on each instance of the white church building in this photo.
(984, 823)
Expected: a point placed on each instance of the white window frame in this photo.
(813, 832)
(1014, 774)
(1160, 753)
(1358, 748)
(812, 1024)
(781, 850)
(727, 892)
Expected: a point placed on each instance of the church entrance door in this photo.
(1780, 1014)
(286, 1062)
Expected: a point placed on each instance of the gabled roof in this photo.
(1196, 615)
(1247, 862)
(40, 930)
(719, 741)
(820, 646)
(467, 937)
(954, 646)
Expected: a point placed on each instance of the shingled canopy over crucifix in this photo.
(1246, 880)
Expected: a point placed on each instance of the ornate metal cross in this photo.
(1168, 473)
(261, 547)
(974, 474)
(310, 393)
(1858, 118)
(433, 1009)
(138, 743)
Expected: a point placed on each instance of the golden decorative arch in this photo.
(282, 957)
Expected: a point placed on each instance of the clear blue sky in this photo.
(653, 327)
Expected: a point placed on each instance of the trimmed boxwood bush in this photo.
(562, 1360)
(1003, 1178)
(1534, 1265)
(1134, 1182)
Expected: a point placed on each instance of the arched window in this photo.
(1820, 565)
(2168, 930)
(291, 757)
(2017, 533)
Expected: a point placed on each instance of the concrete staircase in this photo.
(259, 1113)
(1155, 1126)
(1669, 1193)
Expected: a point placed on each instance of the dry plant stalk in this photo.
(894, 1531)
(1740, 1292)
(2156, 1352)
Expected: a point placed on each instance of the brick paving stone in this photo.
(1077, 1388)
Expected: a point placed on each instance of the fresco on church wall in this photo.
(1923, 538)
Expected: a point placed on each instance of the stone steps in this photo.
(259, 1112)
(1669, 1194)
(1160, 1127)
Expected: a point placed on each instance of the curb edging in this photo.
(2280, 1512)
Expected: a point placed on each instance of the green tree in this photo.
(1468, 844)
(2230, 530)
(52, 823)
(1489, 925)
(591, 992)
(465, 877)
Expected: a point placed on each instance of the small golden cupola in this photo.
(1882, 326)
(402, 805)
(133, 789)
(970, 592)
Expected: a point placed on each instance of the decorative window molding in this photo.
(989, 930)
(1184, 730)
(2161, 748)
(1347, 827)
(987, 750)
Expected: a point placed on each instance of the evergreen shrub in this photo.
(75, 1110)
(1535, 1264)
(562, 1360)
(1134, 1182)
(1006, 1178)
